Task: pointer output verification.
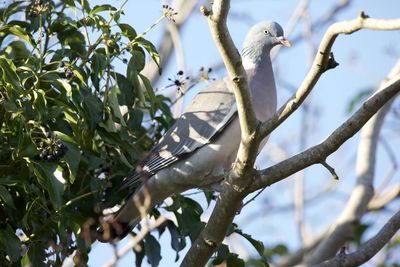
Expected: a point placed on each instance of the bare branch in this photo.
(379, 202)
(368, 249)
(217, 21)
(319, 152)
(322, 62)
(234, 190)
(232, 193)
(330, 169)
(343, 227)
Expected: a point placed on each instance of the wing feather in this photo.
(210, 111)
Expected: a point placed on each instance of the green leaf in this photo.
(17, 50)
(258, 245)
(138, 59)
(40, 103)
(64, 85)
(100, 8)
(70, 3)
(9, 73)
(93, 108)
(222, 254)
(10, 10)
(151, 49)
(36, 254)
(126, 90)
(359, 232)
(6, 197)
(177, 241)
(127, 31)
(99, 64)
(132, 76)
(152, 250)
(72, 158)
(149, 88)
(45, 176)
(135, 119)
(139, 255)
(74, 39)
(115, 106)
(234, 261)
(9, 243)
(19, 32)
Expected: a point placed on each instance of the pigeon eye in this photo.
(266, 32)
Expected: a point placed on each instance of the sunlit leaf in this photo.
(9, 73)
(127, 31)
(45, 175)
(19, 32)
(100, 8)
(151, 49)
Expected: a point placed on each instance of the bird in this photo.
(202, 144)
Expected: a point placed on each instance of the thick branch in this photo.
(368, 249)
(214, 233)
(217, 21)
(233, 191)
(320, 152)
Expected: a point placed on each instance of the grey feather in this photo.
(189, 133)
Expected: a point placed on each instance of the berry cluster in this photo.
(37, 7)
(69, 74)
(204, 74)
(52, 151)
(169, 12)
(179, 80)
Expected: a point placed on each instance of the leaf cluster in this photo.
(66, 70)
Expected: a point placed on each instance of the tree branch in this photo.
(242, 180)
(320, 152)
(368, 249)
(243, 173)
(217, 22)
(322, 63)
(379, 202)
(343, 227)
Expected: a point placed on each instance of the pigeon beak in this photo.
(284, 41)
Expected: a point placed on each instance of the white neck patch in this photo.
(248, 63)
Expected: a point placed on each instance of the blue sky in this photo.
(364, 60)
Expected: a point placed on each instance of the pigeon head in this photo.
(261, 38)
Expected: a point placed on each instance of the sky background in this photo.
(365, 58)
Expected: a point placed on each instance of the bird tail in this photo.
(111, 230)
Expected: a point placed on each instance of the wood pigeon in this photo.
(202, 144)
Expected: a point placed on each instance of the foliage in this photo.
(64, 141)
